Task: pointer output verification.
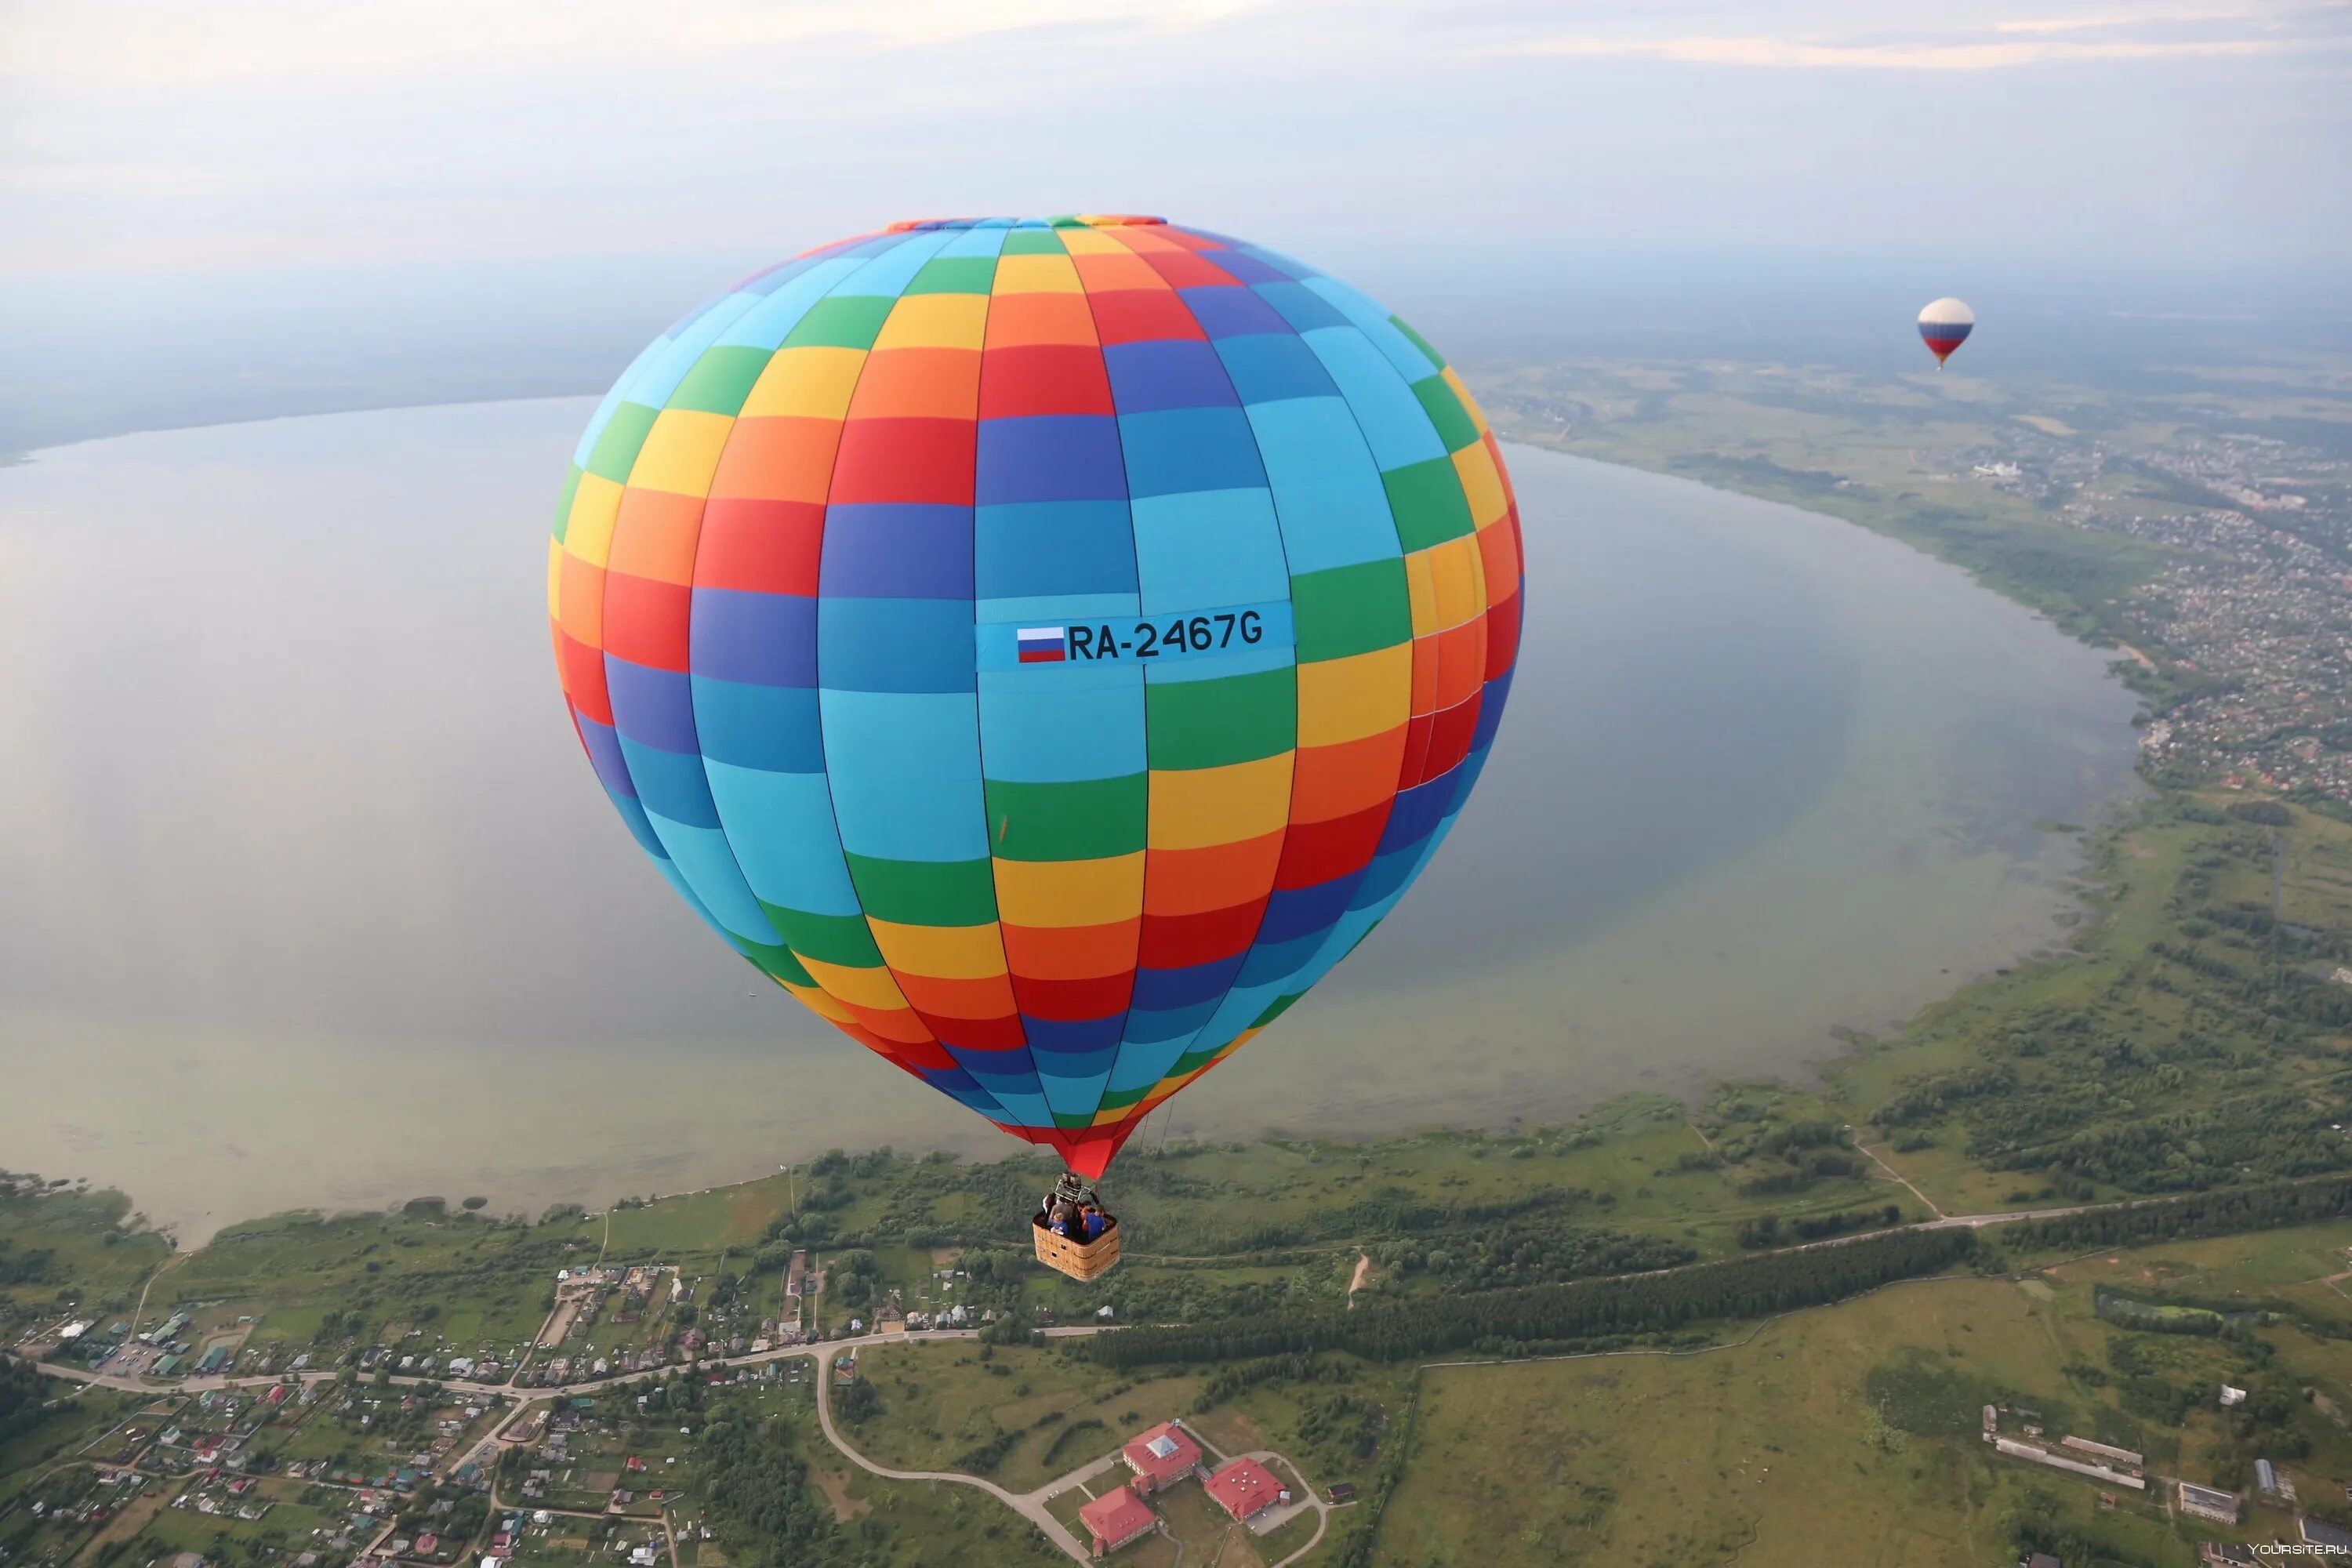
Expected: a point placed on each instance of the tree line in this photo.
(2222, 1213)
(1579, 1311)
(20, 1397)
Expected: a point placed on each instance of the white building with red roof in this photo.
(1160, 1457)
(1244, 1489)
(1115, 1519)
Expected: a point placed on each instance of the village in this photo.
(2231, 553)
(557, 1452)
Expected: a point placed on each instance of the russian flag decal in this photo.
(1041, 645)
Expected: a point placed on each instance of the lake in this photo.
(308, 899)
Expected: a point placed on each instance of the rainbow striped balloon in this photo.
(1045, 648)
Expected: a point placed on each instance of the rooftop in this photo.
(1243, 1487)
(1163, 1453)
(1116, 1516)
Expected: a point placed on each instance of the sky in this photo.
(151, 136)
(248, 208)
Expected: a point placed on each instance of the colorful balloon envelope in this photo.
(1045, 648)
(1944, 326)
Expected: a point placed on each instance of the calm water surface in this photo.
(307, 898)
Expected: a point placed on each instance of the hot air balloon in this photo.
(1946, 325)
(1043, 646)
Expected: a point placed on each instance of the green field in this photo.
(2173, 1049)
(68, 1245)
(940, 1401)
(1859, 1423)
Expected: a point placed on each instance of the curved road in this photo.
(1030, 1506)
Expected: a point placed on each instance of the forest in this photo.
(20, 1397)
(756, 1488)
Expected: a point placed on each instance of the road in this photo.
(1978, 1221)
(1030, 1506)
(524, 1396)
(1892, 1174)
(1276, 1518)
(152, 1275)
(620, 1380)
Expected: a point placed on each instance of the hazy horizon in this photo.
(109, 355)
(259, 208)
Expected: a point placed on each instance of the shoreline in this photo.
(1807, 1065)
(1812, 1075)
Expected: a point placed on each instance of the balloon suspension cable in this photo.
(1070, 1189)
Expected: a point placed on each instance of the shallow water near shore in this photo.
(307, 898)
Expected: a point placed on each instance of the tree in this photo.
(856, 1402)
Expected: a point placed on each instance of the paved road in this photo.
(1978, 1221)
(1031, 1506)
(1278, 1517)
(527, 1396)
(131, 1385)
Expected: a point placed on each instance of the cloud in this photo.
(1993, 44)
(147, 135)
(137, 41)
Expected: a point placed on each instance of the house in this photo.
(428, 1543)
(1245, 1488)
(2206, 1502)
(2223, 1554)
(1115, 1519)
(1342, 1491)
(1160, 1457)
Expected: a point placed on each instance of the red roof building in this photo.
(1245, 1488)
(1115, 1519)
(1160, 1457)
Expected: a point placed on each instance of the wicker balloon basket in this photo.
(1067, 1254)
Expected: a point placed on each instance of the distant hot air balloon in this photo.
(1045, 648)
(1946, 325)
